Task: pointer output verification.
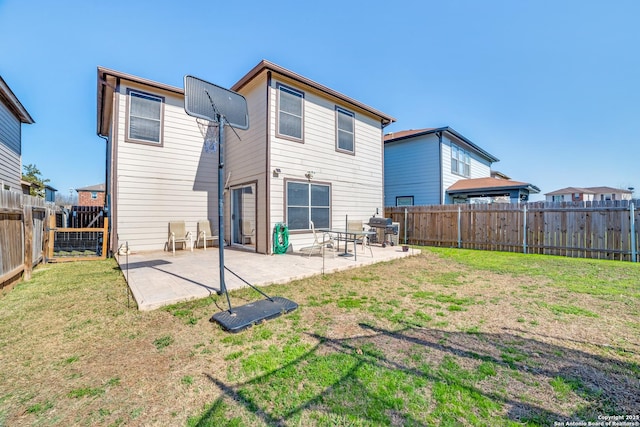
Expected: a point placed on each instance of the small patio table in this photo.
(349, 235)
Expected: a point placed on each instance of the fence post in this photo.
(459, 231)
(633, 233)
(27, 226)
(405, 226)
(51, 230)
(524, 230)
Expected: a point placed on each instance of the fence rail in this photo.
(603, 230)
(22, 237)
(34, 231)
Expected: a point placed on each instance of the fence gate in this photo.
(85, 237)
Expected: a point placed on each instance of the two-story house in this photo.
(92, 195)
(436, 166)
(310, 154)
(12, 116)
(588, 194)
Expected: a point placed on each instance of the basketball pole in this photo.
(223, 286)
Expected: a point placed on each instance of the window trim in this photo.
(127, 131)
(405, 197)
(457, 149)
(340, 110)
(286, 203)
(279, 87)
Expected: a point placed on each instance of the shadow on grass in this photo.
(420, 376)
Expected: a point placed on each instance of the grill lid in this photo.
(379, 222)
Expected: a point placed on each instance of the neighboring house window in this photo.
(576, 196)
(460, 161)
(404, 201)
(345, 140)
(290, 112)
(94, 194)
(145, 117)
(559, 198)
(308, 202)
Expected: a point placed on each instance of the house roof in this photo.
(265, 65)
(97, 187)
(24, 183)
(108, 81)
(588, 190)
(413, 133)
(490, 184)
(11, 101)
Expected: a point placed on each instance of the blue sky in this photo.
(551, 88)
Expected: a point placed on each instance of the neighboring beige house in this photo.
(310, 153)
(588, 194)
(12, 116)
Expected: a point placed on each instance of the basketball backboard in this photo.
(206, 100)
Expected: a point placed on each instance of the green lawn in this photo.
(448, 337)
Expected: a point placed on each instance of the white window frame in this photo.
(294, 92)
(404, 200)
(352, 133)
(460, 161)
(160, 120)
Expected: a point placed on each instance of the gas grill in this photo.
(383, 226)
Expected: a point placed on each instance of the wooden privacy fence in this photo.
(34, 231)
(604, 230)
(22, 237)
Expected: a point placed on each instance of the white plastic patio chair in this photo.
(319, 244)
(178, 234)
(205, 234)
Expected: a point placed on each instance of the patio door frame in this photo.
(243, 206)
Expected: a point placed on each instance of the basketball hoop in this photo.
(209, 131)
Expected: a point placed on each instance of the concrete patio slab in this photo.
(158, 279)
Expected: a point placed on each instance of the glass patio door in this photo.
(243, 216)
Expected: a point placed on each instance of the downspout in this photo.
(107, 183)
(107, 193)
(440, 186)
(269, 234)
(384, 196)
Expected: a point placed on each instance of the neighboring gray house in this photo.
(310, 153)
(588, 194)
(419, 165)
(12, 115)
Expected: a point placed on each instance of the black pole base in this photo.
(245, 316)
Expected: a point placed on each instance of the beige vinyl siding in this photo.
(246, 159)
(158, 184)
(356, 180)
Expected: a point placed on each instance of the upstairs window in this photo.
(145, 117)
(345, 140)
(460, 161)
(94, 195)
(290, 113)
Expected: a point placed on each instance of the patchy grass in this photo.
(449, 337)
